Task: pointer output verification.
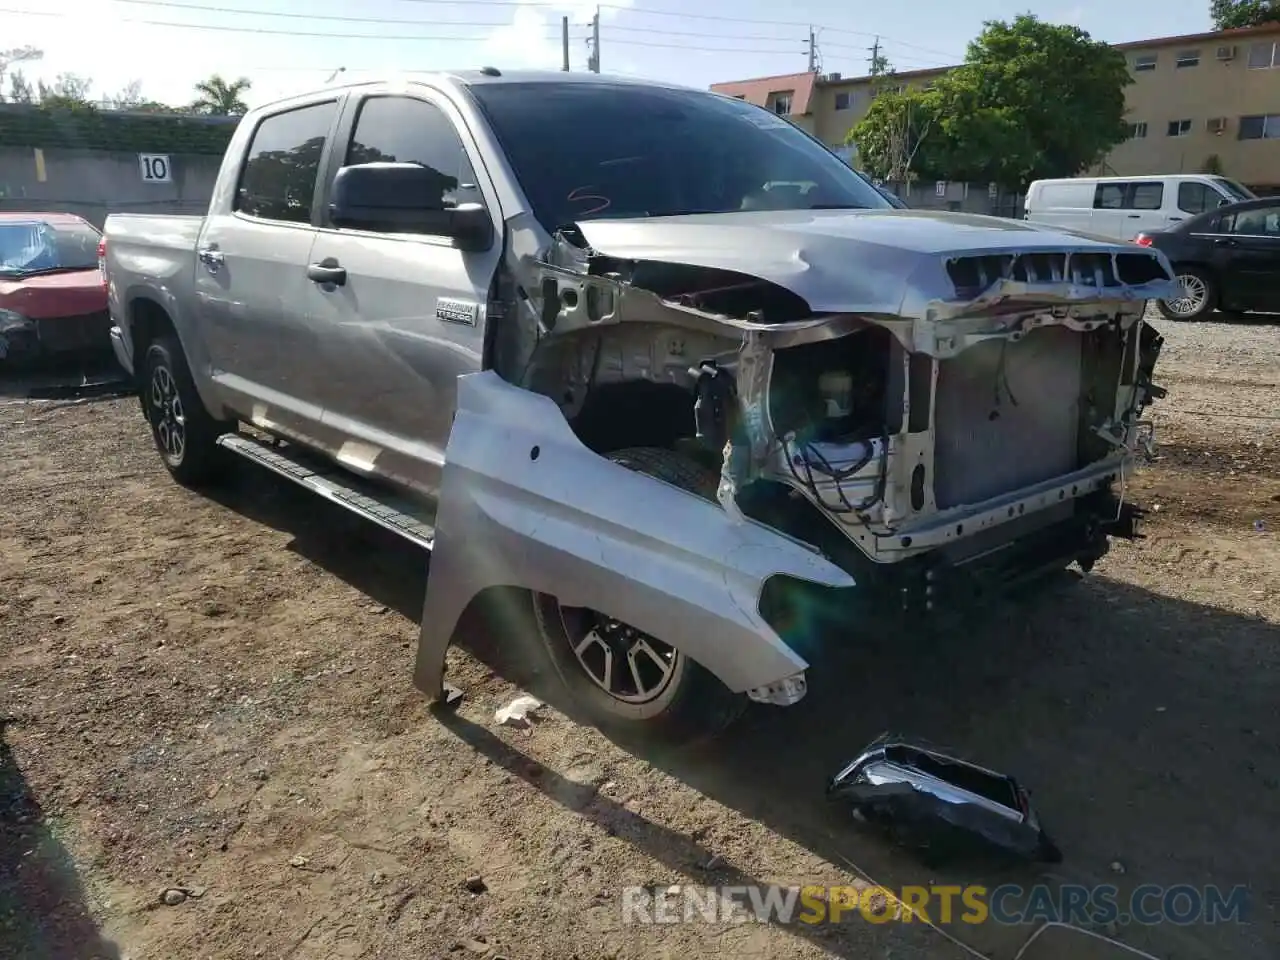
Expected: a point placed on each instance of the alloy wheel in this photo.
(167, 415)
(629, 665)
(1192, 295)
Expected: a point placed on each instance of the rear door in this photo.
(410, 317)
(250, 282)
(1109, 213)
(1144, 202)
(1248, 258)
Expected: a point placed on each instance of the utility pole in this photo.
(593, 62)
(564, 42)
(875, 58)
(813, 53)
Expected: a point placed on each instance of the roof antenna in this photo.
(491, 71)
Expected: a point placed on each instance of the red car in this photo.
(52, 295)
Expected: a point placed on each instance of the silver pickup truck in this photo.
(654, 358)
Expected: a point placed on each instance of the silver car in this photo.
(652, 357)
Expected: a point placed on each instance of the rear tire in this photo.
(186, 436)
(1199, 296)
(686, 703)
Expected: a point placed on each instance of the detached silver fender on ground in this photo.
(524, 504)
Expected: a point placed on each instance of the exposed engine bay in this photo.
(920, 400)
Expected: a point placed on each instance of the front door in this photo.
(250, 274)
(1247, 250)
(408, 319)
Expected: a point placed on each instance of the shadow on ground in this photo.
(80, 376)
(43, 915)
(1142, 724)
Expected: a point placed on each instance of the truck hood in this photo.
(50, 295)
(907, 264)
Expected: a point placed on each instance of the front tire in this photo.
(186, 436)
(1199, 296)
(624, 681)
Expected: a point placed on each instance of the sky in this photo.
(289, 46)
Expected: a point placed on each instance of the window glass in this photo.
(404, 130)
(279, 176)
(1187, 58)
(1262, 55)
(1179, 128)
(1147, 196)
(38, 246)
(1235, 190)
(1145, 62)
(1196, 197)
(842, 101)
(659, 151)
(1264, 221)
(1109, 196)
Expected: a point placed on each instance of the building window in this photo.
(1264, 56)
(1179, 128)
(1259, 128)
(781, 103)
(1187, 58)
(1138, 130)
(1145, 62)
(843, 100)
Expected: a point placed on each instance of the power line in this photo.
(264, 31)
(506, 4)
(267, 32)
(244, 11)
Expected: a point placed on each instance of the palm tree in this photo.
(220, 98)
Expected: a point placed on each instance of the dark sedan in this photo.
(1225, 259)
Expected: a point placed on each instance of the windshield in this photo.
(584, 151)
(38, 246)
(1236, 191)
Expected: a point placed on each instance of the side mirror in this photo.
(406, 198)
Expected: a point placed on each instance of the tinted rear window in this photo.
(583, 151)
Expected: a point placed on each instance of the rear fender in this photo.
(524, 504)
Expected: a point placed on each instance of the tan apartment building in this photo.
(1193, 97)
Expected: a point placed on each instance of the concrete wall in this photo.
(94, 184)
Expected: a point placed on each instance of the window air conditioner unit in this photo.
(833, 77)
(1217, 125)
(1226, 53)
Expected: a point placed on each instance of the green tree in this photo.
(1232, 14)
(1032, 100)
(892, 134)
(219, 98)
(8, 59)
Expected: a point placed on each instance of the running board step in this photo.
(364, 499)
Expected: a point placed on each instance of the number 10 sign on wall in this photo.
(155, 168)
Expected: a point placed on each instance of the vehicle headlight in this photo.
(12, 320)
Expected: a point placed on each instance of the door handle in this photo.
(1174, 219)
(1224, 242)
(211, 257)
(327, 271)
(1134, 216)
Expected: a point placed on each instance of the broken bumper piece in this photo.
(939, 805)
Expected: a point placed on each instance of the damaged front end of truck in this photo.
(920, 410)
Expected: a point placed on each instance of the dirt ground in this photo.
(213, 694)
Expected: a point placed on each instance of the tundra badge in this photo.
(457, 311)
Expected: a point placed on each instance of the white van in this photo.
(1122, 207)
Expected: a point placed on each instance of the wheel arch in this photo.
(149, 317)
